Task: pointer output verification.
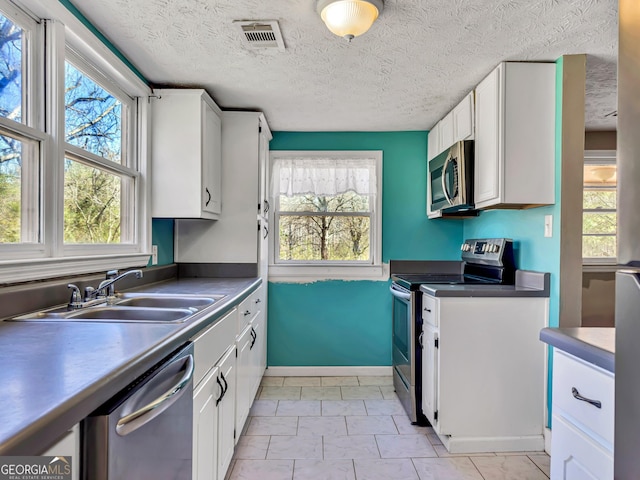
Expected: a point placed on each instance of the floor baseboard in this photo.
(328, 371)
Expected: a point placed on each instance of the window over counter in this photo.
(72, 149)
(327, 214)
(599, 218)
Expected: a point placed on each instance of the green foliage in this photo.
(9, 208)
(91, 205)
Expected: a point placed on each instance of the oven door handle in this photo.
(399, 293)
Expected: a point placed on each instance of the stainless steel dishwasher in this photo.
(145, 431)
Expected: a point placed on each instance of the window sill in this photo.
(600, 267)
(313, 273)
(38, 269)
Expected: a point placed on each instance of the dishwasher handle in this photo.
(133, 421)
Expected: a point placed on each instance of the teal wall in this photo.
(349, 323)
(162, 236)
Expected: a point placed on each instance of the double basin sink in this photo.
(129, 307)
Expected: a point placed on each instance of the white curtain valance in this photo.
(323, 176)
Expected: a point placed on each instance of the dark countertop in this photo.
(56, 373)
(595, 345)
(528, 284)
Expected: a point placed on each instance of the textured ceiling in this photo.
(417, 61)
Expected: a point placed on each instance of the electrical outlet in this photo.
(154, 254)
(548, 225)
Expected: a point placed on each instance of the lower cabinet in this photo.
(582, 425)
(251, 344)
(228, 370)
(214, 399)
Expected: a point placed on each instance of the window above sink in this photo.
(73, 153)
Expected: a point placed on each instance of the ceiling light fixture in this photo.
(349, 18)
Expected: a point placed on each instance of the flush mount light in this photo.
(349, 18)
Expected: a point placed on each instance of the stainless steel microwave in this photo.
(450, 178)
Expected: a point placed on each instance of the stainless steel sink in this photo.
(130, 308)
(168, 301)
(131, 314)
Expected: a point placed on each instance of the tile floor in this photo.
(354, 428)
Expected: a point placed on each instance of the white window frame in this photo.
(65, 33)
(599, 157)
(284, 271)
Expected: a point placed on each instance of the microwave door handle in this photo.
(445, 190)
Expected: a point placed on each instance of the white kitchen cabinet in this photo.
(234, 238)
(582, 434)
(205, 426)
(251, 345)
(462, 116)
(484, 372)
(186, 154)
(214, 398)
(226, 412)
(68, 446)
(446, 132)
(515, 136)
(433, 141)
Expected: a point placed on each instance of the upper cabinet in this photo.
(186, 152)
(456, 126)
(235, 237)
(515, 137)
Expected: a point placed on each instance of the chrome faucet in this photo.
(107, 287)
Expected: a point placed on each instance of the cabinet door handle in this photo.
(266, 233)
(246, 312)
(226, 385)
(577, 396)
(221, 391)
(253, 337)
(420, 339)
(427, 309)
(258, 300)
(208, 199)
(266, 206)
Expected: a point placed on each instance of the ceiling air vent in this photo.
(261, 33)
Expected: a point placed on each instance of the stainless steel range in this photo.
(484, 261)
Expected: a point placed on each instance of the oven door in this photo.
(403, 351)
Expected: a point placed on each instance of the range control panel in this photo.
(488, 251)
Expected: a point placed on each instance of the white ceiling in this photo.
(417, 61)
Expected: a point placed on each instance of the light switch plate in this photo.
(154, 254)
(548, 225)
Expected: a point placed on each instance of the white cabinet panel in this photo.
(575, 456)
(463, 119)
(244, 344)
(446, 132)
(487, 145)
(205, 427)
(226, 412)
(68, 446)
(186, 155)
(429, 375)
(515, 136)
(433, 141)
(210, 345)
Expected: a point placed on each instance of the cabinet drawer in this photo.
(211, 344)
(591, 382)
(249, 308)
(575, 456)
(429, 310)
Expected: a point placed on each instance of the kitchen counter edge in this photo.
(595, 345)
